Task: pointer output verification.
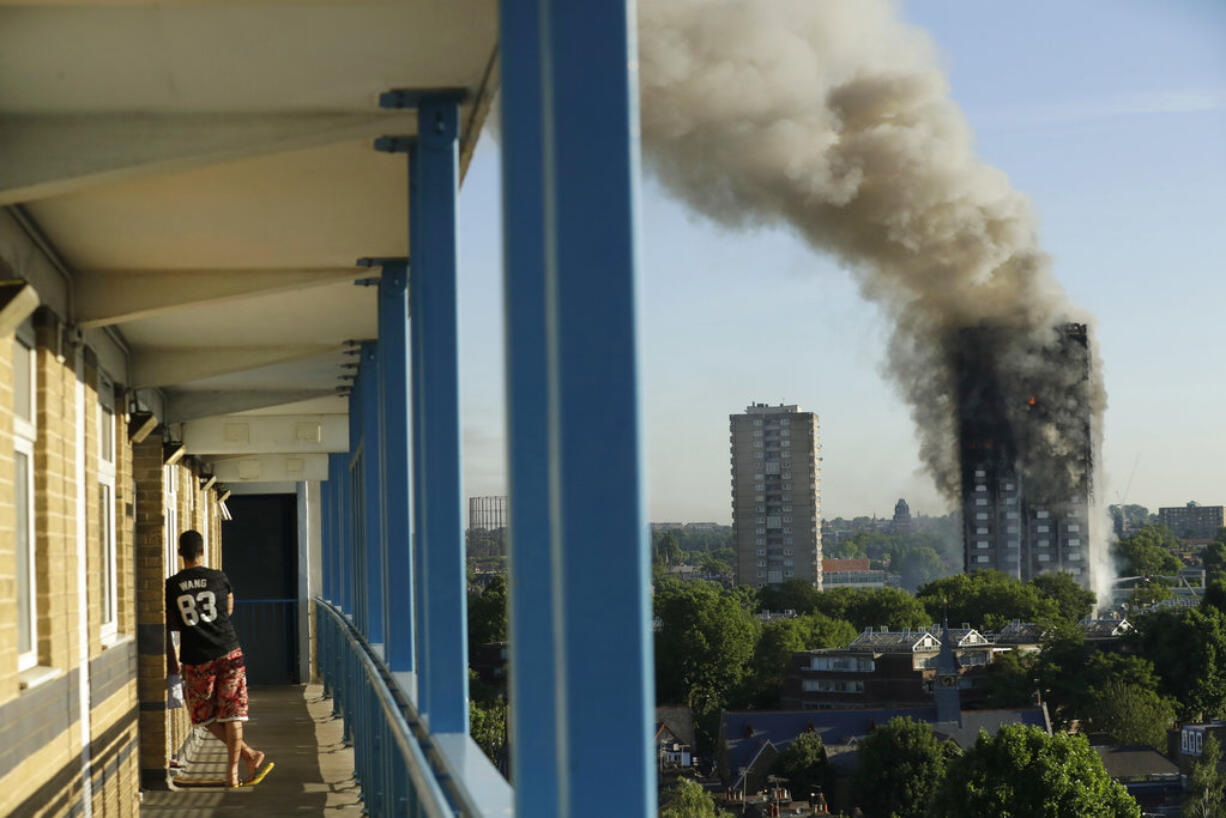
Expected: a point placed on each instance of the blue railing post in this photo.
(326, 571)
(394, 451)
(372, 494)
(569, 67)
(443, 669)
(344, 589)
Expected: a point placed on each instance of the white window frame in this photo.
(109, 572)
(25, 434)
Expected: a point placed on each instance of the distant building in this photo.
(776, 495)
(1016, 521)
(1152, 780)
(487, 513)
(1193, 522)
(902, 518)
(888, 668)
(852, 573)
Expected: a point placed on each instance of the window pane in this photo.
(22, 403)
(25, 636)
(108, 557)
(107, 435)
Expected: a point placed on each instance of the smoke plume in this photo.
(833, 117)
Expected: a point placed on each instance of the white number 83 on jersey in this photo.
(193, 609)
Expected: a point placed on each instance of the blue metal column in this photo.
(394, 454)
(372, 492)
(443, 582)
(326, 543)
(354, 539)
(533, 722)
(577, 79)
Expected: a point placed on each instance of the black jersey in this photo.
(196, 607)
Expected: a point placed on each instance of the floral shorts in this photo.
(217, 690)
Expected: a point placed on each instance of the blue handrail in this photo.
(391, 746)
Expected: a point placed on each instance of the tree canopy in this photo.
(689, 800)
(901, 765)
(1205, 784)
(781, 638)
(802, 764)
(1149, 551)
(873, 607)
(1023, 771)
(1129, 713)
(987, 600)
(704, 644)
(487, 614)
(1188, 649)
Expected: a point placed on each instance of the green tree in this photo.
(793, 595)
(1149, 551)
(802, 764)
(689, 800)
(1010, 681)
(487, 614)
(1205, 784)
(1069, 670)
(1073, 602)
(777, 642)
(917, 565)
(864, 607)
(487, 724)
(668, 548)
(987, 600)
(1024, 771)
(1129, 713)
(901, 765)
(704, 644)
(1214, 557)
(1187, 646)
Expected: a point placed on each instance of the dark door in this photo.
(260, 556)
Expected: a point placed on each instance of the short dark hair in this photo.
(191, 544)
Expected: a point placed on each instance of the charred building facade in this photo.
(1025, 450)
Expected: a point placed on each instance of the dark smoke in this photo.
(833, 117)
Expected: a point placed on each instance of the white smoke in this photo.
(833, 117)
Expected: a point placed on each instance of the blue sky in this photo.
(1109, 114)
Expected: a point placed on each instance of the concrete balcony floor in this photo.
(293, 725)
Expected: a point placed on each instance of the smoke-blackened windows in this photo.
(1041, 514)
(981, 487)
(1044, 543)
(981, 501)
(1010, 515)
(1075, 556)
(981, 543)
(1044, 557)
(1074, 541)
(1008, 487)
(980, 473)
(982, 515)
(982, 558)
(981, 530)
(1042, 529)
(1073, 527)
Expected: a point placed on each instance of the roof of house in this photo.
(1136, 763)
(1020, 633)
(746, 732)
(905, 641)
(1104, 628)
(679, 720)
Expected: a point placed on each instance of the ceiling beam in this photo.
(113, 297)
(272, 434)
(185, 405)
(53, 154)
(270, 468)
(167, 366)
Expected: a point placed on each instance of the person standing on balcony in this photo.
(199, 602)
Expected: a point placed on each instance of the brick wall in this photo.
(41, 729)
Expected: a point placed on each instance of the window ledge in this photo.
(37, 675)
(111, 640)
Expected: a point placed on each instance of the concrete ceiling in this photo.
(215, 158)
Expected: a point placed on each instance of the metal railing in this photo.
(398, 766)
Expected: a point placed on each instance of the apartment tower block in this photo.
(776, 495)
(1018, 519)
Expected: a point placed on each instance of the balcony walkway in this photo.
(314, 772)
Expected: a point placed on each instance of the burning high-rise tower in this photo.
(1025, 449)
